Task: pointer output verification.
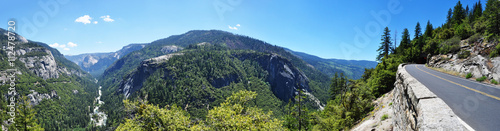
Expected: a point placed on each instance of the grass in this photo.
(494, 81)
(384, 117)
(390, 104)
(481, 79)
(469, 75)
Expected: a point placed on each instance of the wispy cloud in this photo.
(84, 19)
(107, 18)
(95, 22)
(234, 27)
(63, 46)
(71, 44)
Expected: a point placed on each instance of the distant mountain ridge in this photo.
(96, 63)
(351, 68)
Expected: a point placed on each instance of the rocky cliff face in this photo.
(134, 81)
(417, 108)
(41, 62)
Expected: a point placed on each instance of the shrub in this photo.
(469, 75)
(390, 104)
(384, 117)
(474, 38)
(494, 52)
(481, 79)
(494, 81)
(450, 46)
(463, 54)
(463, 31)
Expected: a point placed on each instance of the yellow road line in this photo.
(486, 94)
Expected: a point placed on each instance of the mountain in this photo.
(59, 91)
(96, 63)
(351, 68)
(209, 66)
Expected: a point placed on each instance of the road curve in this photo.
(477, 104)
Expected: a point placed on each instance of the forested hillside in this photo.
(52, 93)
(353, 69)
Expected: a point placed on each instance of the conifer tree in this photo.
(385, 45)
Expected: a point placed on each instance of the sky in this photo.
(340, 29)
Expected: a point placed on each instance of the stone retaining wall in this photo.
(417, 108)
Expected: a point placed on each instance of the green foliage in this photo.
(463, 54)
(25, 117)
(469, 75)
(474, 38)
(495, 52)
(338, 86)
(390, 104)
(385, 46)
(384, 117)
(233, 114)
(151, 117)
(494, 81)
(450, 46)
(492, 14)
(481, 79)
(463, 30)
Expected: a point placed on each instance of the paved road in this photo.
(475, 103)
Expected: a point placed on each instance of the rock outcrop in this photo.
(41, 62)
(417, 108)
(134, 81)
(35, 98)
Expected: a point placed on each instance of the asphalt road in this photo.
(477, 104)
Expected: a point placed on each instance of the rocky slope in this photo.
(472, 58)
(50, 82)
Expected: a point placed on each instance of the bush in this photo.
(494, 52)
(390, 104)
(463, 31)
(450, 46)
(481, 79)
(474, 38)
(463, 54)
(494, 81)
(469, 75)
(384, 117)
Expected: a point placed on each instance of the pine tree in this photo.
(25, 119)
(385, 45)
(418, 31)
(449, 18)
(492, 14)
(458, 14)
(428, 29)
(405, 39)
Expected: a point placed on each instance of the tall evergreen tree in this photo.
(428, 29)
(418, 31)
(492, 14)
(405, 39)
(25, 119)
(458, 14)
(385, 45)
(449, 18)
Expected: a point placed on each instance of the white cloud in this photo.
(232, 28)
(66, 49)
(71, 44)
(62, 46)
(55, 45)
(84, 19)
(95, 22)
(238, 25)
(99, 42)
(107, 19)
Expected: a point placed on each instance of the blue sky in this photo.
(342, 29)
